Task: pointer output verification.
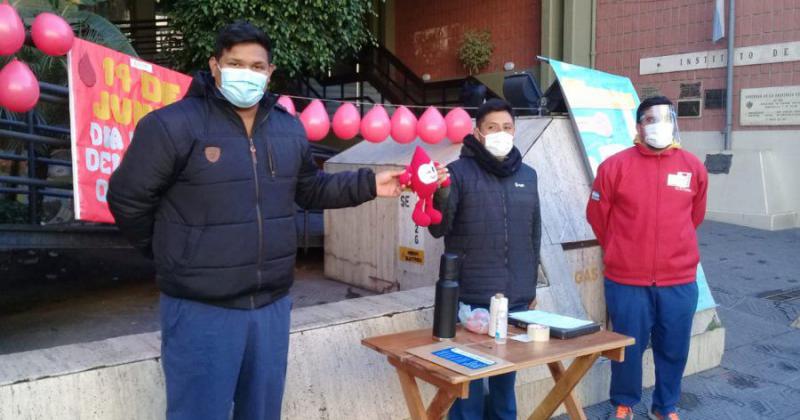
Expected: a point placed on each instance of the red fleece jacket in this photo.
(644, 209)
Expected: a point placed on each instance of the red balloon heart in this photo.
(459, 124)
(18, 86)
(12, 31)
(287, 103)
(431, 127)
(375, 126)
(315, 120)
(346, 121)
(404, 125)
(52, 34)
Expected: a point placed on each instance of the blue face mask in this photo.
(242, 87)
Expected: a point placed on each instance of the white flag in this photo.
(719, 21)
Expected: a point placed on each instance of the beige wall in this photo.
(762, 189)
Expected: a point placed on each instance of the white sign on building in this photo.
(411, 238)
(743, 56)
(770, 106)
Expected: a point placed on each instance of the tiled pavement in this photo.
(759, 377)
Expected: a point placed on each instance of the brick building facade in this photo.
(630, 30)
(650, 42)
(428, 33)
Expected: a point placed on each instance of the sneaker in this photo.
(622, 412)
(671, 416)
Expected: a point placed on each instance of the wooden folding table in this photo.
(585, 350)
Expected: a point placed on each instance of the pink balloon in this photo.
(19, 89)
(404, 125)
(12, 31)
(431, 127)
(315, 120)
(375, 126)
(52, 34)
(459, 124)
(346, 121)
(287, 103)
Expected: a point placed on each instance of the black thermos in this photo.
(445, 310)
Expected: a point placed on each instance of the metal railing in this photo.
(395, 81)
(157, 41)
(154, 40)
(31, 136)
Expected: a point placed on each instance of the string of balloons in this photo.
(51, 34)
(376, 126)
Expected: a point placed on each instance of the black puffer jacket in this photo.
(218, 219)
(492, 219)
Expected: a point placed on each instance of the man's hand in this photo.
(443, 173)
(387, 183)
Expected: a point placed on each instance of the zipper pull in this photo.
(253, 150)
(269, 160)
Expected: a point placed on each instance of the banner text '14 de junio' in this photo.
(109, 92)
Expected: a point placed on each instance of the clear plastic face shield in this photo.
(660, 126)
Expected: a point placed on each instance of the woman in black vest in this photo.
(491, 219)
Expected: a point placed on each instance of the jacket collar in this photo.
(647, 151)
(474, 149)
(204, 86)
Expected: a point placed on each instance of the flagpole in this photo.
(729, 91)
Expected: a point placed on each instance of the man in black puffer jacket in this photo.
(491, 219)
(208, 188)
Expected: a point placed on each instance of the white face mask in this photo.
(659, 135)
(242, 87)
(499, 144)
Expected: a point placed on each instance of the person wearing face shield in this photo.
(208, 189)
(645, 206)
(491, 219)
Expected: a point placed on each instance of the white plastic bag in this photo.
(475, 320)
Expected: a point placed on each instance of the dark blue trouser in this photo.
(502, 400)
(218, 360)
(662, 315)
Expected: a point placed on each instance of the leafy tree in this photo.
(309, 36)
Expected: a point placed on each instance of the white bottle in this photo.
(498, 318)
(493, 302)
(501, 331)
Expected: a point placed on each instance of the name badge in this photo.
(680, 180)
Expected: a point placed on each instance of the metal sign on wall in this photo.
(743, 56)
(770, 106)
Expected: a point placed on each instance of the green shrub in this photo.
(475, 51)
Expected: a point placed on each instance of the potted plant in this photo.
(475, 51)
